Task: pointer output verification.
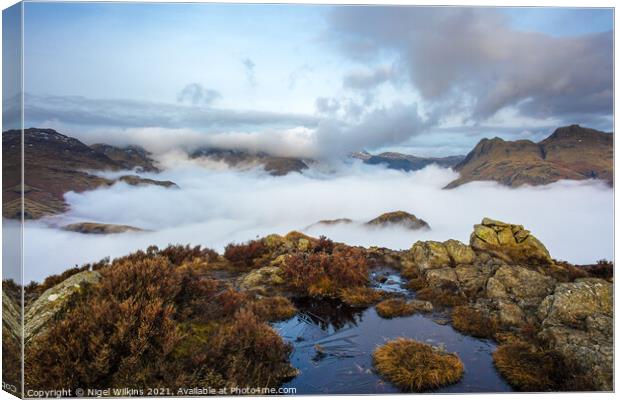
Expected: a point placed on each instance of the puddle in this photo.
(346, 337)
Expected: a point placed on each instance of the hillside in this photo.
(571, 152)
(53, 165)
(276, 166)
(406, 162)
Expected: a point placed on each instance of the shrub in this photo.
(276, 308)
(473, 322)
(396, 307)
(441, 297)
(533, 369)
(244, 254)
(324, 274)
(360, 296)
(323, 245)
(249, 352)
(414, 367)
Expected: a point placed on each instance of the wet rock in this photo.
(509, 242)
(577, 321)
(53, 300)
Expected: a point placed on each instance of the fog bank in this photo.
(215, 206)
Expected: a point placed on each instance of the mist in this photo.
(215, 205)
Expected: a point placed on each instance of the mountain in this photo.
(276, 166)
(129, 157)
(406, 162)
(53, 165)
(571, 152)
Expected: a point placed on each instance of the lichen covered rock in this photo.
(512, 243)
(53, 300)
(577, 321)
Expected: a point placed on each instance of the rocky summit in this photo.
(398, 218)
(571, 152)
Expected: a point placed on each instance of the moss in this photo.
(441, 297)
(414, 367)
(396, 307)
(473, 322)
(360, 296)
(276, 308)
(532, 369)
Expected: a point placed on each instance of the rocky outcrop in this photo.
(101, 229)
(399, 218)
(136, 180)
(577, 321)
(53, 300)
(11, 316)
(511, 243)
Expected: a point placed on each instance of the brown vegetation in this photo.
(324, 274)
(473, 322)
(244, 254)
(530, 368)
(360, 296)
(415, 366)
(151, 322)
(445, 298)
(396, 307)
(276, 308)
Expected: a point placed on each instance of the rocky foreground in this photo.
(185, 316)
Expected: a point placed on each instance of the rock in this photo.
(97, 228)
(136, 180)
(509, 313)
(523, 286)
(509, 242)
(577, 321)
(11, 316)
(401, 218)
(472, 278)
(421, 305)
(442, 278)
(430, 255)
(53, 300)
(459, 253)
(261, 279)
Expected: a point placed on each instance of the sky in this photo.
(321, 80)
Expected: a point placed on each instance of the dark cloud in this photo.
(250, 74)
(327, 106)
(475, 54)
(197, 95)
(124, 113)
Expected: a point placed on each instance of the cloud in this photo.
(473, 53)
(197, 95)
(326, 106)
(364, 80)
(216, 206)
(250, 74)
(123, 113)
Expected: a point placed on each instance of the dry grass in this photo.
(276, 308)
(441, 297)
(360, 296)
(473, 322)
(396, 307)
(415, 366)
(532, 369)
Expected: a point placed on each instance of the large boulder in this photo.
(512, 243)
(473, 278)
(577, 321)
(53, 300)
(459, 253)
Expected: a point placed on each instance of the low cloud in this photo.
(197, 95)
(216, 206)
